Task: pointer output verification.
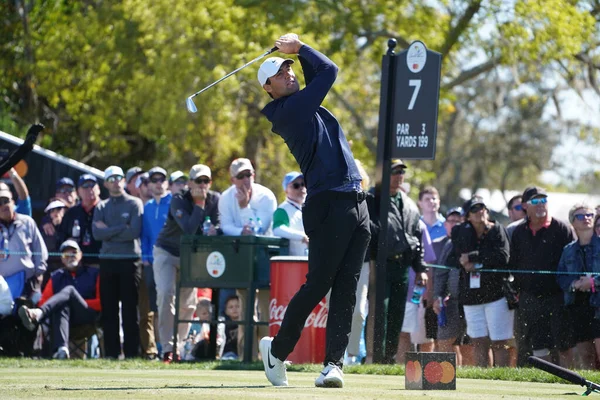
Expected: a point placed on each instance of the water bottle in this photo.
(442, 315)
(417, 293)
(252, 225)
(3, 248)
(258, 229)
(87, 239)
(206, 226)
(76, 231)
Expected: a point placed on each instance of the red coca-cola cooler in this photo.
(288, 273)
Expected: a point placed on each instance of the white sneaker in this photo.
(62, 353)
(331, 376)
(274, 367)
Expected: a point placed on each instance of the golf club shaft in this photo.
(266, 53)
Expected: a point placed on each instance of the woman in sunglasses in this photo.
(482, 244)
(582, 290)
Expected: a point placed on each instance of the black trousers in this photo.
(66, 308)
(396, 288)
(337, 224)
(119, 282)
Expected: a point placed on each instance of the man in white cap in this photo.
(130, 180)
(118, 224)
(335, 214)
(287, 220)
(245, 202)
(55, 212)
(71, 298)
(178, 182)
(142, 184)
(247, 208)
(187, 213)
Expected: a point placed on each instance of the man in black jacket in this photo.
(77, 222)
(335, 215)
(405, 250)
(537, 244)
(187, 212)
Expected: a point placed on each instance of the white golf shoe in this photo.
(331, 377)
(274, 367)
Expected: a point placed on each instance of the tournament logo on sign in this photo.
(416, 57)
(215, 264)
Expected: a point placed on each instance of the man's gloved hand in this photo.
(32, 133)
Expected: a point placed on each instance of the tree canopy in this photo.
(109, 79)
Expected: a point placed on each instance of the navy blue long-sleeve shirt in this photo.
(313, 135)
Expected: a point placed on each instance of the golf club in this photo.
(190, 103)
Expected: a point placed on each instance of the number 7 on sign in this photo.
(416, 83)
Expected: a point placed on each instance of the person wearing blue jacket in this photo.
(155, 215)
(582, 290)
(335, 214)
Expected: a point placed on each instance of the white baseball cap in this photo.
(199, 170)
(55, 204)
(113, 170)
(270, 67)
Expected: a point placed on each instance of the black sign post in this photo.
(416, 103)
(408, 110)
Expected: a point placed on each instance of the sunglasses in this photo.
(518, 207)
(535, 202)
(158, 180)
(68, 255)
(66, 190)
(4, 201)
(206, 181)
(181, 181)
(298, 185)
(114, 178)
(476, 208)
(87, 185)
(400, 171)
(242, 175)
(582, 217)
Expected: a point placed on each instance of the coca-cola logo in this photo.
(316, 319)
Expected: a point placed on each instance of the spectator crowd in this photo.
(106, 270)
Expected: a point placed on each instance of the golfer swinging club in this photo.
(335, 214)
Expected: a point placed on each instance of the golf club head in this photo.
(190, 105)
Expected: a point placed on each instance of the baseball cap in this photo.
(55, 204)
(177, 175)
(473, 201)
(131, 172)
(290, 177)
(112, 171)
(270, 67)
(200, 170)
(396, 162)
(85, 178)
(157, 170)
(5, 190)
(455, 210)
(142, 178)
(65, 181)
(532, 192)
(69, 244)
(238, 165)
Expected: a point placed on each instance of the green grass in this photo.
(133, 380)
(504, 374)
(78, 379)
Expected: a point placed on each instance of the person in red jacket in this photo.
(71, 298)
